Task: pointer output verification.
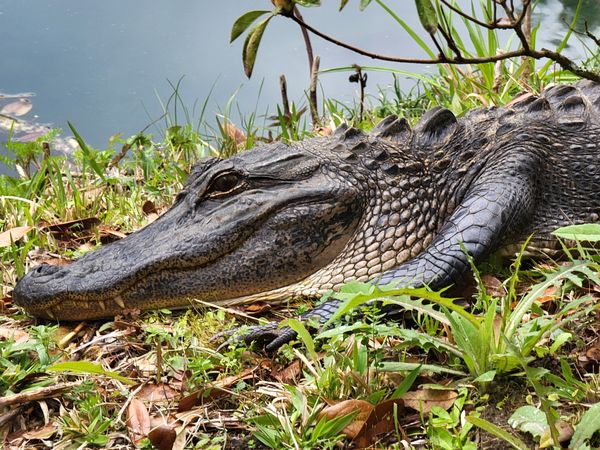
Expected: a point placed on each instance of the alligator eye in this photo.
(224, 184)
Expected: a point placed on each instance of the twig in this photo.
(312, 93)
(563, 61)
(10, 415)
(284, 96)
(305, 35)
(39, 394)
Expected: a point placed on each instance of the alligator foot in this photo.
(271, 336)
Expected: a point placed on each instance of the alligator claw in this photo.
(269, 336)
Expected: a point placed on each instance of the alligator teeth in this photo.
(119, 301)
(51, 314)
(102, 305)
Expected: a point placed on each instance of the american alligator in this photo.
(396, 204)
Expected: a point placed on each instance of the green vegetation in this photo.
(515, 369)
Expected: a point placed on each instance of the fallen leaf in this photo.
(382, 420)
(257, 308)
(18, 336)
(423, 400)
(138, 421)
(289, 373)
(565, 433)
(550, 294)
(149, 208)
(493, 285)
(235, 134)
(346, 407)
(13, 235)
(214, 390)
(155, 393)
(44, 432)
(63, 229)
(18, 108)
(163, 437)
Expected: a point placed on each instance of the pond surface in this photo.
(103, 65)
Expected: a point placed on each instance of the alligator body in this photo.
(395, 204)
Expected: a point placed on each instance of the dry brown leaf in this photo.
(44, 432)
(235, 134)
(73, 226)
(163, 437)
(214, 390)
(155, 393)
(423, 400)
(138, 420)
(149, 208)
(493, 285)
(18, 336)
(550, 294)
(382, 420)
(289, 373)
(345, 407)
(257, 308)
(109, 232)
(13, 235)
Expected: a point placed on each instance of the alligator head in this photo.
(262, 222)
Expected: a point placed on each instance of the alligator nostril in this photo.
(45, 269)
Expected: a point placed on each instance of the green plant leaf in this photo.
(304, 336)
(308, 3)
(243, 22)
(589, 232)
(343, 3)
(364, 4)
(251, 46)
(587, 426)
(498, 432)
(87, 367)
(427, 15)
(87, 153)
(530, 420)
(406, 383)
(485, 377)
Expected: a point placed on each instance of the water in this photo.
(102, 65)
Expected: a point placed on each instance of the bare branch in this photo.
(516, 25)
(461, 13)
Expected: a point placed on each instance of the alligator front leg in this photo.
(499, 202)
(501, 199)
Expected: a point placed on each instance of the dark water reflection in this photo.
(102, 65)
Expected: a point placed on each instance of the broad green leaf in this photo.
(392, 366)
(498, 432)
(87, 367)
(530, 420)
(587, 426)
(589, 232)
(304, 336)
(486, 377)
(243, 22)
(251, 46)
(427, 15)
